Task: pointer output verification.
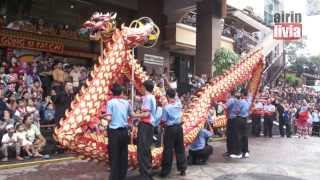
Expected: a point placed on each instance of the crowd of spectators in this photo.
(290, 101)
(31, 95)
(40, 26)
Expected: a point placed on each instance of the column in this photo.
(209, 14)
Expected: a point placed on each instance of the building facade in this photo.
(191, 31)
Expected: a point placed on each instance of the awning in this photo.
(250, 21)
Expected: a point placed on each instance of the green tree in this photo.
(304, 64)
(315, 61)
(223, 59)
(292, 80)
(292, 49)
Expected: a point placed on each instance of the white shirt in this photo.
(6, 139)
(269, 108)
(32, 133)
(258, 105)
(22, 136)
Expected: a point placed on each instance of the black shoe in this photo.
(226, 154)
(189, 160)
(162, 175)
(201, 162)
(182, 173)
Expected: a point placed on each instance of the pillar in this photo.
(209, 14)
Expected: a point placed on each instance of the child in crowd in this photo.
(10, 141)
(22, 139)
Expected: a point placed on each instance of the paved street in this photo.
(271, 159)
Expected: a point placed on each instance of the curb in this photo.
(57, 160)
(217, 139)
(34, 163)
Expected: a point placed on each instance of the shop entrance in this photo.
(182, 67)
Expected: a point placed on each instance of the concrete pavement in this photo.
(271, 159)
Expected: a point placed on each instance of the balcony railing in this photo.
(243, 41)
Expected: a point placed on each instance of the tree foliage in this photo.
(223, 60)
(293, 48)
(300, 63)
(292, 80)
(304, 64)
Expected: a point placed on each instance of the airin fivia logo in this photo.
(287, 26)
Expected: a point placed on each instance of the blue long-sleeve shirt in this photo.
(233, 107)
(172, 113)
(158, 116)
(200, 142)
(315, 117)
(119, 110)
(245, 106)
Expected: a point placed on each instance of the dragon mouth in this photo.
(101, 25)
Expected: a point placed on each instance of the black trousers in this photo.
(232, 136)
(243, 135)
(256, 125)
(287, 124)
(228, 144)
(118, 153)
(200, 155)
(173, 140)
(157, 134)
(145, 139)
(315, 129)
(267, 126)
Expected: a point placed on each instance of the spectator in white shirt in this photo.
(10, 141)
(22, 138)
(34, 135)
(75, 74)
(269, 116)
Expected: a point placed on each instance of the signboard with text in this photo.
(287, 26)
(33, 44)
(153, 59)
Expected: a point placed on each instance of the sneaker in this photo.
(19, 158)
(5, 159)
(246, 155)
(47, 156)
(155, 138)
(37, 155)
(201, 162)
(234, 156)
(226, 154)
(27, 157)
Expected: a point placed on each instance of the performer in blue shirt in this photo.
(145, 130)
(233, 110)
(200, 150)
(118, 110)
(173, 135)
(245, 104)
(158, 129)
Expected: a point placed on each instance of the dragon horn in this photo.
(114, 16)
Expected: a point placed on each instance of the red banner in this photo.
(18, 42)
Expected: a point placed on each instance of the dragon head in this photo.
(101, 24)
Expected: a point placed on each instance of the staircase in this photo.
(275, 61)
